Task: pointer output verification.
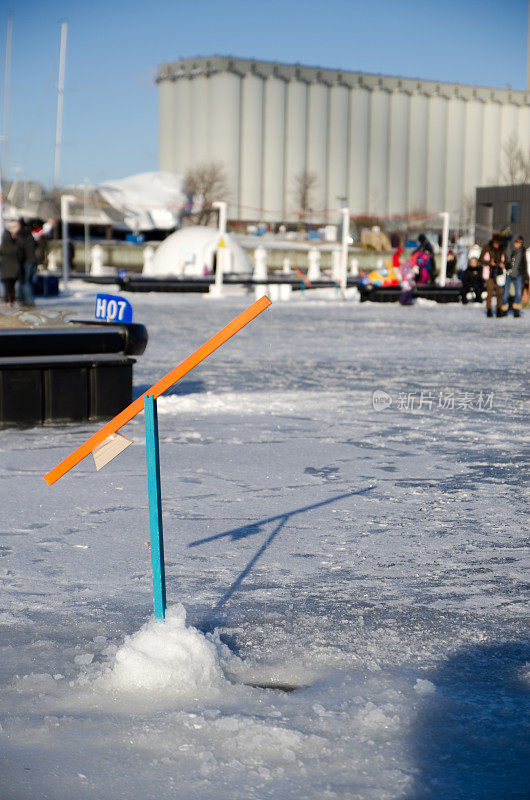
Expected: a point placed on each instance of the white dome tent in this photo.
(190, 252)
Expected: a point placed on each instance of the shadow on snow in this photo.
(279, 521)
(472, 736)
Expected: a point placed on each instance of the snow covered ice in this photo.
(374, 557)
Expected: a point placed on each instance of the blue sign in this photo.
(113, 309)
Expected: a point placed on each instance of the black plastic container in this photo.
(74, 339)
(64, 388)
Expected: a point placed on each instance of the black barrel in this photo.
(74, 339)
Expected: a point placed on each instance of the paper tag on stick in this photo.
(109, 449)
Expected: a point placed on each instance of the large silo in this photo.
(295, 140)
(166, 125)
(472, 145)
(200, 127)
(388, 145)
(436, 152)
(378, 151)
(338, 141)
(251, 181)
(225, 128)
(317, 141)
(455, 136)
(184, 123)
(398, 153)
(274, 149)
(359, 147)
(416, 200)
(491, 143)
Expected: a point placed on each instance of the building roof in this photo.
(209, 65)
(27, 199)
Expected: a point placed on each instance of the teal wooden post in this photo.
(155, 506)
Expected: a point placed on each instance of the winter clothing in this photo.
(425, 259)
(516, 262)
(493, 262)
(492, 289)
(406, 297)
(450, 267)
(12, 253)
(29, 267)
(472, 281)
(12, 259)
(516, 275)
(396, 260)
(517, 283)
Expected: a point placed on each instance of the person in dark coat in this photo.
(493, 260)
(29, 267)
(450, 265)
(472, 281)
(516, 274)
(12, 254)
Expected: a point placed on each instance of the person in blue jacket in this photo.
(516, 275)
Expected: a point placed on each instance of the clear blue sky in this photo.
(110, 125)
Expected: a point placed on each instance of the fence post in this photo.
(155, 506)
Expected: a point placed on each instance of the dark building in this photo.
(500, 207)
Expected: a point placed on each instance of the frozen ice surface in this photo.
(373, 557)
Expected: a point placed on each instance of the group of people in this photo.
(18, 260)
(497, 269)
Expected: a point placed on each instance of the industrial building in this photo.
(381, 145)
(503, 207)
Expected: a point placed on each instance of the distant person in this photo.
(450, 265)
(462, 257)
(12, 254)
(425, 259)
(70, 250)
(42, 234)
(516, 275)
(396, 258)
(493, 261)
(472, 281)
(29, 267)
(408, 284)
(474, 252)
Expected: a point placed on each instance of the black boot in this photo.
(516, 312)
(499, 313)
(489, 312)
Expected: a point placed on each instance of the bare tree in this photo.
(468, 211)
(204, 184)
(515, 162)
(304, 185)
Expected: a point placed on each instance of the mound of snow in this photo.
(168, 655)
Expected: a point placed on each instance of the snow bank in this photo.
(167, 655)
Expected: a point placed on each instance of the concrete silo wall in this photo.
(388, 145)
(273, 192)
(295, 140)
(251, 186)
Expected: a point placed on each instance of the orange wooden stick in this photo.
(158, 388)
(304, 277)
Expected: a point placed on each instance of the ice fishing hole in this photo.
(279, 687)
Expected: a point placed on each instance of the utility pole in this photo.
(345, 215)
(445, 247)
(60, 97)
(5, 114)
(528, 51)
(5, 117)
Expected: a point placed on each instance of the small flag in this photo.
(111, 447)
